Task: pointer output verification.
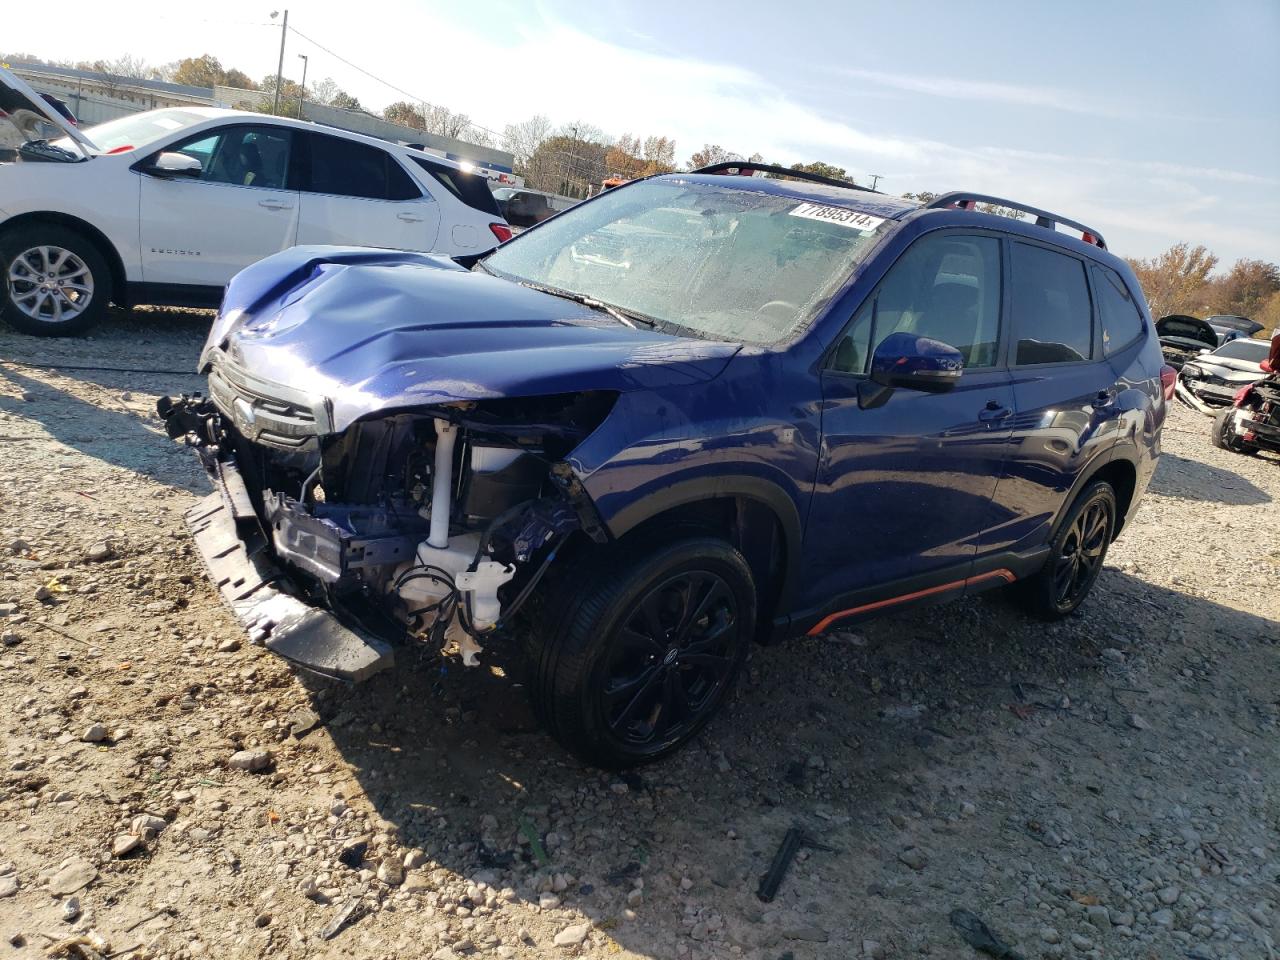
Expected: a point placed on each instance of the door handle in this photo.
(994, 411)
(1104, 399)
(409, 217)
(275, 204)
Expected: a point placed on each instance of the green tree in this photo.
(822, 170)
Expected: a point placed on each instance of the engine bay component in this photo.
(434, 526)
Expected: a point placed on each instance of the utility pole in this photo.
(875, 178)
(284, 28)
(302, 95)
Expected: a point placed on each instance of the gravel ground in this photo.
(1104, 787)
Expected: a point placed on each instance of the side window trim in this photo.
(1095, 336)
(1001, 357)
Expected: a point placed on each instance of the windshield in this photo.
(1254, 351)
(725, 263)
(136, 130)
(503, 193)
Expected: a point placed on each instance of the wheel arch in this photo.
(1119, 471)
(119, 282)
(756, 516)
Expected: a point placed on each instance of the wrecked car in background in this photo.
(696, 410)
(1213, 379)
(1184, 338)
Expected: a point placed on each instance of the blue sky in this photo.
(1157, 122)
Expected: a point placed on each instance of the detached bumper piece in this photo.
(311, 638)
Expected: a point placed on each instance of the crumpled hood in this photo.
(1229, 368)
(377, 330)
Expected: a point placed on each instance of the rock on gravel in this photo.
(251, 761)
(96, 733)
(391, 871)
(124, 844)
(8, 886)
(572, 936)
(101, 550)
(73, 875)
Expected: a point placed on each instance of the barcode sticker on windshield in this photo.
(847, 218)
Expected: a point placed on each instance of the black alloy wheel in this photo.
(670, 658)
(1079, 557)
(638, 645)
(1076, 554)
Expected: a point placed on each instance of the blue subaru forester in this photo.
(697, 410)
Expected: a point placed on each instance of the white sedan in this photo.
(166, 206)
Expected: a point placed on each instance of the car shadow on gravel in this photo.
(1194, 480)
(880, 739)
(127, 437)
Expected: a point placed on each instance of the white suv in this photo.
(166, 206)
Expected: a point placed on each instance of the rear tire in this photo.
(639, 647)
(56, 282)
(1076, 555)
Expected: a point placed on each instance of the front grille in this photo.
(266, 413)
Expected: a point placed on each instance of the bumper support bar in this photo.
(309, 637)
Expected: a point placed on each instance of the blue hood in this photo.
(380, 330)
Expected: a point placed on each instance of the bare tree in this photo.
(521, 140)
(446, 123)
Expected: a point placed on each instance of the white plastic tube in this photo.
(442, 484)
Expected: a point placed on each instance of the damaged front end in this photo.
(432, 526)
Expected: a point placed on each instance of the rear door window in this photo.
(351, 169)
(1052, 318)
(1119, 312)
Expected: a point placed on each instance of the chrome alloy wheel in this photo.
(50, 284)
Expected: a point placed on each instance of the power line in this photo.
(414, 97)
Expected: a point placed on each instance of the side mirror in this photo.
(916, 363)
(172, 165)
(1204, 350)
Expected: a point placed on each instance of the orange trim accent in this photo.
(1005, 575)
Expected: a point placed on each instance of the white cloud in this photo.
(549, 67)
(952, 88)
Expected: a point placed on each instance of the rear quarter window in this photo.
(1052, 319)
(1119, 312)
(470, 189)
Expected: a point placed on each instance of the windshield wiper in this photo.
(625, 317)
(42, 149)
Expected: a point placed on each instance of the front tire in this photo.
(1223, 432)
(56, 282)
(638, 649)
(1075, 558)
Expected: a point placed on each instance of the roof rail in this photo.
(746, 168)
(966, 201)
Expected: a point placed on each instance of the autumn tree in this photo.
(1173, 281)
(1244, 289)
(405, 114)
(567, 164)
(206, 71)
(711, 153)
